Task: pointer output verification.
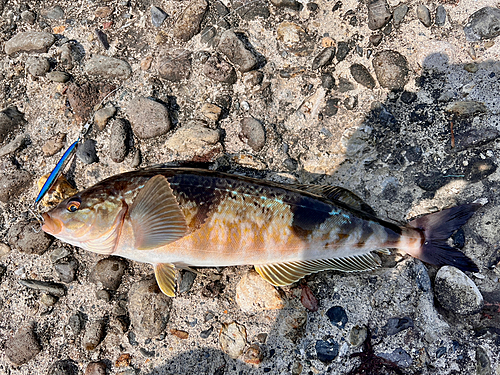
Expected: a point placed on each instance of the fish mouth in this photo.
(51, 225)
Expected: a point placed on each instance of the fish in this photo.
(186, 217)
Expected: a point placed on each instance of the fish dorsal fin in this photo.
(165, 277)
(337, 193)
(280, 274)
(156, 217)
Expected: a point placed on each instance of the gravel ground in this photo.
(396, 101)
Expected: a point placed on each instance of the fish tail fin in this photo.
(436, 229)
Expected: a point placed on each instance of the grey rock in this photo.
(175, 66)
(186, 281)
(483, 363)
(108, 67)
(54, 13)
(12, 184)
(424, 15)
(232, 338)
(471, 67)
(248, 13)
(219, 70)
(331, 107)
(66, 270)
(253, 78)
(408, 97)
(23, 347)
(235, 50)
(14, 145)
(361, 75)
(456, 292)
(58, 254)
(102, 116)
(376, 39)
(28, 16)
(343, 49)
(10, 120)
(399, 14)
(253, 133)
(119, 140)
(290, 4)
(96, 368)
(109, 272)
(63, 367)
(474, 137)
(295, 39)
(324, 58)
(478, 169)
(148, 307)
(37, 66)
(440, 18)
(466, 108)
(102, 37)
(327, 350)
(378, 14)
(94, 333)
(58, 76)
(391, 69)
(206, 333)
(55, 289)
(157, 16)
(86, 152)
(48, 299)
(399, 356)
(396, 325)
(148, 118)
(22, 237)
(195, 140)
(69, 54)
(345, 85)
(74, 326)
(483, 24)
(189, 22)
(103, 295)
(358, 335)
(29, 41)
(327, 81)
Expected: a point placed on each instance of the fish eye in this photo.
(73, 205)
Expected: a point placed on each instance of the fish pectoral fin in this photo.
(281, 274)
(337, 193)
(156, 217)
(165, 277)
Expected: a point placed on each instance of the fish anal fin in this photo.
(337, 193)
(281, 274)
(165, 277)
(156, 217)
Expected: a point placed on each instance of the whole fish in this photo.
(182, 217)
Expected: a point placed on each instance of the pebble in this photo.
(29, 41)
(119, 140)
(48, 299)
(254, 294)
(10, 120)
(94, 333)
(337, 316)
(466, 108)
(108, 67)
(54, 144)
(376, 39)
(424, 15)
(474, 137)
(482, 24)
(295, 39)
(148, 118)
(408, 97)
(358, 335)
(54, 13)
(253, 133)
(63, 367)
(148, 307)
(396, 325)
(73, 328)
(290, 4)
(378, 14)
(479, 169)
(58, 76)
(249, 13)
(456, 292)
(253, 78)
(440, 18)
(195, 140)
(327, 351)
(55, 289)
(327, 81)
(219, 70)
(307, 298)
(351, 102)
(233, 338)
(14, 145)
(102, 116)
(123, 360)
(324, 58)
(103, 12)
(343, 49)
(157, 16)
(206, 333)
(28, 17)
(235, 50)
(4, 250)
(183, 335)
(175, 66)
(96, 368)
(12, 184)
(68, 54)
(345, 85)
(23, 347)
(471, 67)
(253, 355)
(66, 270)
(37, 66)
(399, 14)
(186, 282)
(399, 356)
(391, 69)
(331, 107)
(189, 22)
(212, 289)
(211, 111)
(83, 98)
(22, 237)
(109, 272)
(483, 363)
(86, 151)
(361, 75)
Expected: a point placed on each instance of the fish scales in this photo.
(181, 217)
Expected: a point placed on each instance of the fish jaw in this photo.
(51, 225)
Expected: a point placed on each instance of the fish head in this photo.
(91, 219)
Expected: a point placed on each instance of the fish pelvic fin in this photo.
(165, 277)
(436, 228)
(281, 274)
(156, 217)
